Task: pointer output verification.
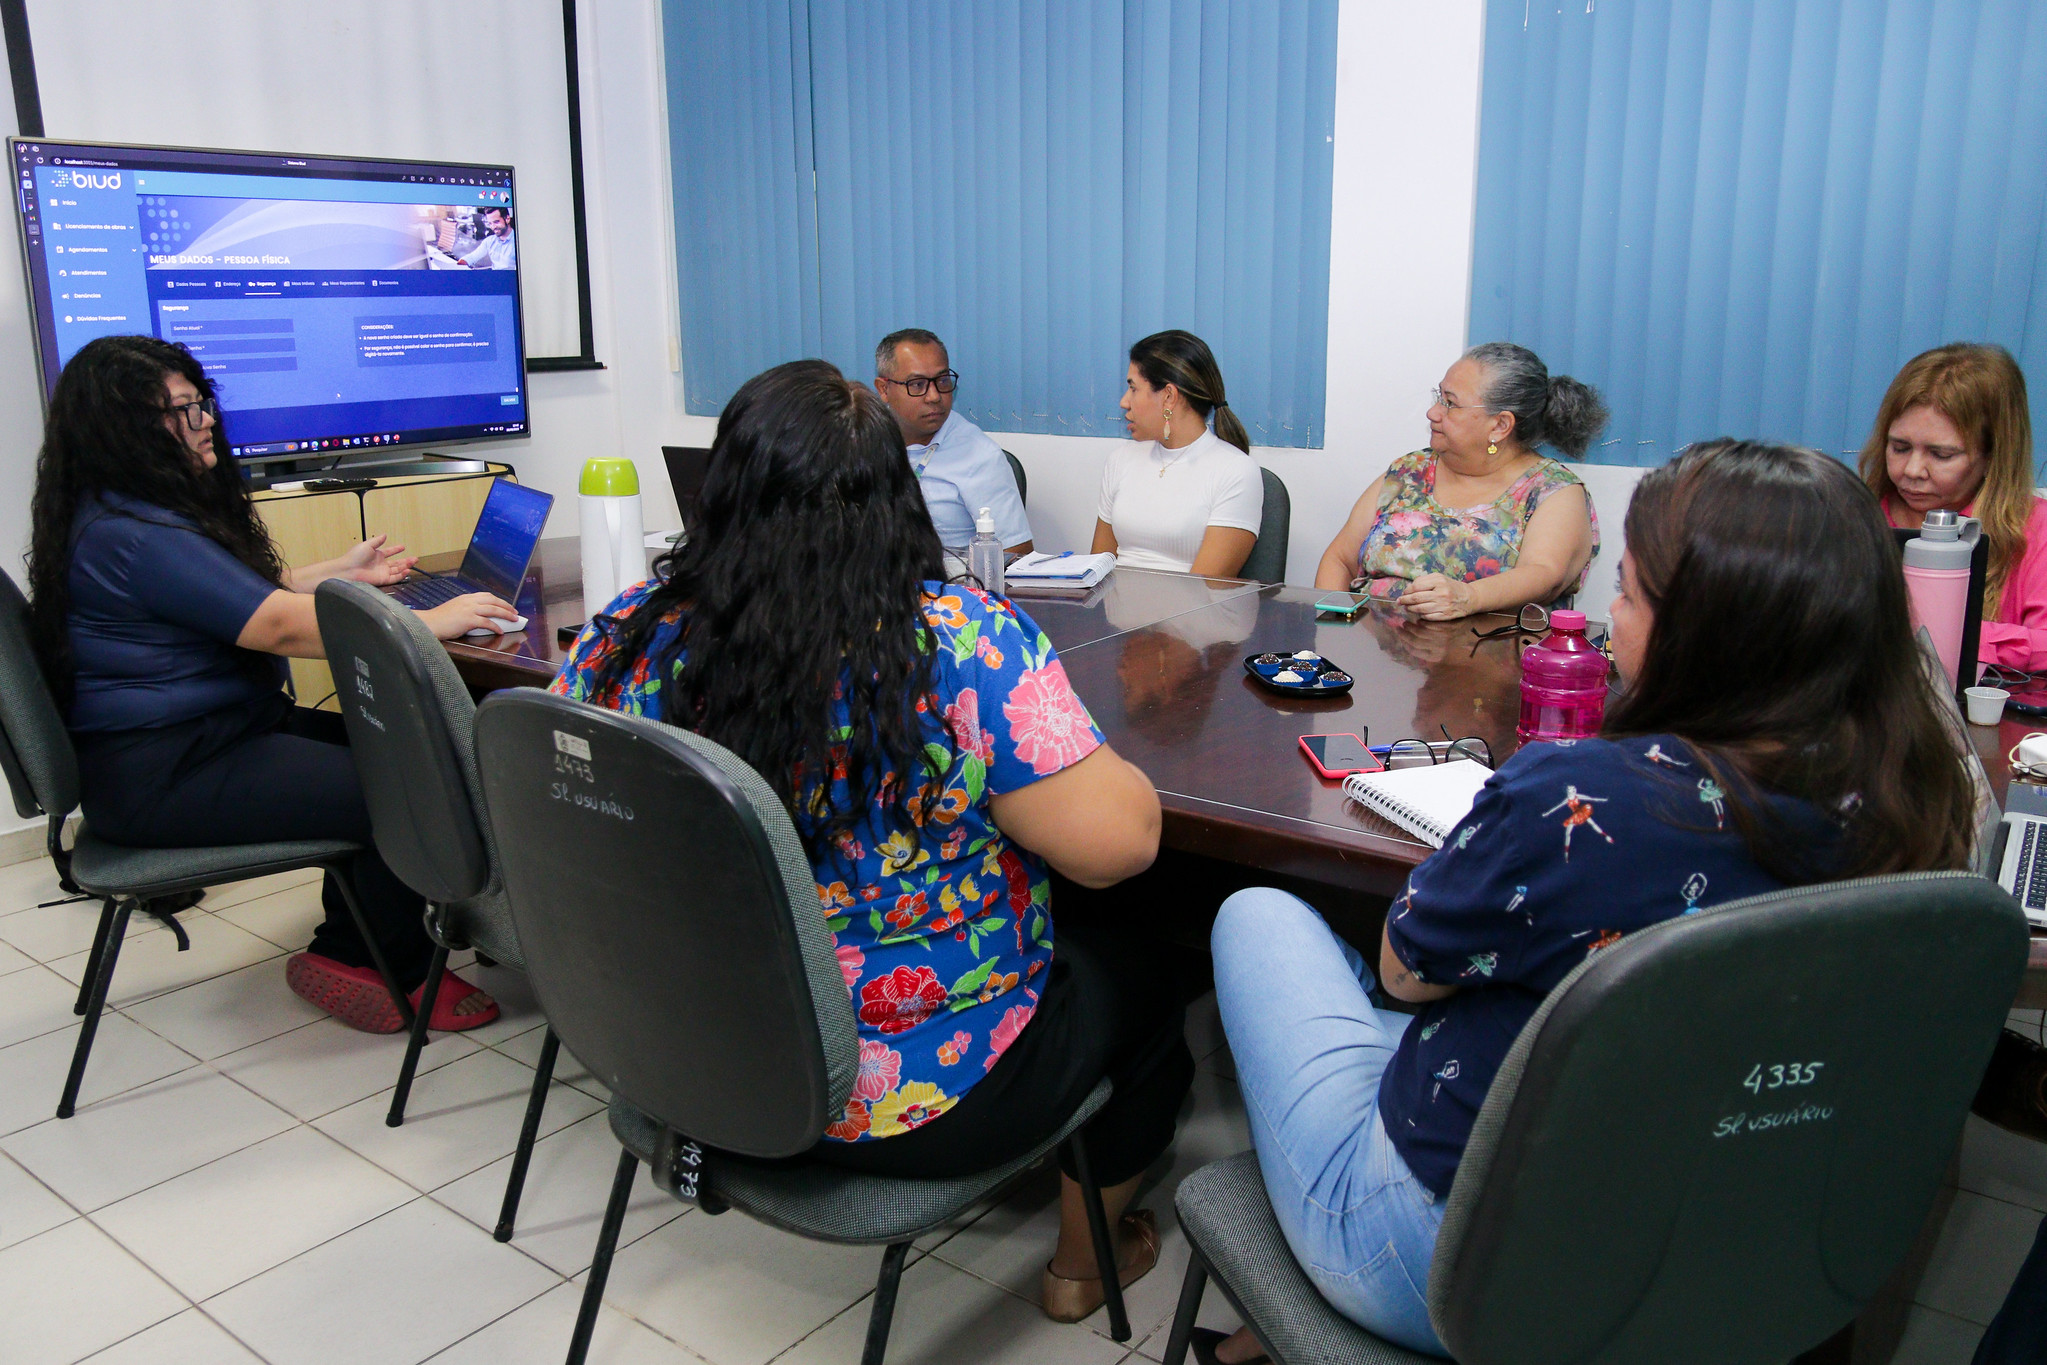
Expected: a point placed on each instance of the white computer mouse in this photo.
(502, 628)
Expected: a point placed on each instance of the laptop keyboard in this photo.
(2029, 875)
(424, 593)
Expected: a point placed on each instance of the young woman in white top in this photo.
(1178, 496)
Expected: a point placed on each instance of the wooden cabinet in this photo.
(428, 514)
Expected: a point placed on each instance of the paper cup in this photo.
(1986, 704)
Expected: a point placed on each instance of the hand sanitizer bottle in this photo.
(984, 554)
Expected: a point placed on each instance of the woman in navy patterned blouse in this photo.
(1777, 729)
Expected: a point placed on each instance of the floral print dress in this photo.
(1414, 534)
(940, 936)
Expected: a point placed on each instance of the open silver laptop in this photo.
(2010, 845)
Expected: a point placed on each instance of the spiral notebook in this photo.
(1426, 802)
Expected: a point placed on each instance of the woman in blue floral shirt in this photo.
(935, 760)
(1778, 729)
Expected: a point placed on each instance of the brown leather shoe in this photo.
(1071, 1300)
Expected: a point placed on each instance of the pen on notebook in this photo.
(1440, 746)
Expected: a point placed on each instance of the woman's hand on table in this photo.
(477, 610)
(1434, 597)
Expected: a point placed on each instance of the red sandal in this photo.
(454, 991)
(354, 995)
(357, 996)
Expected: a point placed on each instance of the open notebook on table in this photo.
(1426, 802)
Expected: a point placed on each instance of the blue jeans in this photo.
(1309, 1050)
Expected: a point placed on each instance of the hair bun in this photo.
(1574, 415)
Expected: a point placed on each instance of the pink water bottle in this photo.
(1937, 582)
(1563, 683)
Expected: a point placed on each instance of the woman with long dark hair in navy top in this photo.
(1778, 729)
(162, 615)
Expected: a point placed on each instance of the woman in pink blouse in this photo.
(1954, 432)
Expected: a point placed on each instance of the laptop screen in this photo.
(687, 468)
(506, 531)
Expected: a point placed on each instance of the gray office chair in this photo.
(1023, 481)
(1267, 561)
(672, 932)
(1711, 1145)
(42, 775)
(412, 731)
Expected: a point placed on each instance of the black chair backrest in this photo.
(397, 710)
(670, 921)
(41, 766)
(1023, 480)
(1726, 1130)
(1267, 560)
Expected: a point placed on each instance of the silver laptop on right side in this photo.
(2012, 845)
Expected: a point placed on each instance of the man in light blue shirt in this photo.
(958, 467)
(497, 250)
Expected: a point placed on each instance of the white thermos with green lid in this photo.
(614, 550)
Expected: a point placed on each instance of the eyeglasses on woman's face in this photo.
(195, 412)
(945, 381)
(1447, 401)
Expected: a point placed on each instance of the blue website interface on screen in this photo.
(506, 531)
(335, 303)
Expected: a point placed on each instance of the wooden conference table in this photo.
(1158, 658)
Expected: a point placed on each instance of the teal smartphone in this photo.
(1343, 604)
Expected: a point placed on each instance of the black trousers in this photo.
(2018, 1334)
(1104, 1010)
(272, 771)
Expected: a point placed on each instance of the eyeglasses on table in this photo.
(1420, 753)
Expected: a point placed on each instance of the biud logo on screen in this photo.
(86, 180)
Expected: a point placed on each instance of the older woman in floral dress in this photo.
(938, 765)
(1479, 521)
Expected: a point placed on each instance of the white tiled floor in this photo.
(228, 1192)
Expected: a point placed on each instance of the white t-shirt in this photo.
(1161, 502)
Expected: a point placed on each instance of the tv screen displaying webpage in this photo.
(337, 303)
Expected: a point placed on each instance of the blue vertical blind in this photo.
(1740, 217)
(745, 207)
(1040, 182)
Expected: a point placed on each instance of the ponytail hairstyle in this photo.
(1553, 410)
(105, 434)
(1183, 360)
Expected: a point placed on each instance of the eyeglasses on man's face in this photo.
(946, 381)
(195, 412)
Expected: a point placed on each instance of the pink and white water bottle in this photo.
(1563, 683)
(1937, 581)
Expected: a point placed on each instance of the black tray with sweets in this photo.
(1300, 673)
